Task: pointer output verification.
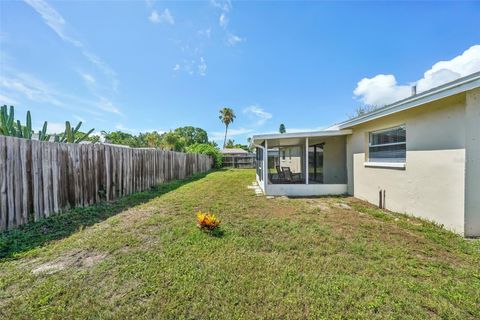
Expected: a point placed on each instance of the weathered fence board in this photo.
(39, 179)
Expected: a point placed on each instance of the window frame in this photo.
(393, 164)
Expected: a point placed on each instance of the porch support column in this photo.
(265, 166)
(306, 160)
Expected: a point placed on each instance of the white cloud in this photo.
(19, 86)
(88, 78)
(55, 127)
(383, 89)
(154, 17)
(108, 106)
(121, 127)
(225, 6)
(56, 22)
(259, 113)
(380, 90)
(176, 67)
(7, 100)
(233, 39)
(444, 71)
(164, 17)
(25, 85)
(53, 19)
(205, 32)
(78, 118)
(202, 67)
(223, 20)
(149, 3)
(219, 135)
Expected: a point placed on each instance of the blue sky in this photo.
(157, 65)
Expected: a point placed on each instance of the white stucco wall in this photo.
(432, 185)
(293, 158)
(472, 164)
(305, 189)
(334, 160)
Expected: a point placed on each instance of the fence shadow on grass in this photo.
(60, 226)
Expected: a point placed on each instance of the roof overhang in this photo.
(313, 134)
(449, 89)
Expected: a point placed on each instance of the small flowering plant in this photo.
(207, 221)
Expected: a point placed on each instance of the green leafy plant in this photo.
(73, 135)
(42, 134)
(10, 127)
(208, 149)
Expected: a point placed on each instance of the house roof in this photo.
(233, 151)
(448, 89)
(323, 133)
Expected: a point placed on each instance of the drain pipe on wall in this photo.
(381, 199)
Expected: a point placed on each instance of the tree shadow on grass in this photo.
(61, 226)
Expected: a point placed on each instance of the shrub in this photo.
(207, 221)
(209, 149)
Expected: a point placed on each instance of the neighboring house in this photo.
(237, 158)
(420, 155)
(233, 152)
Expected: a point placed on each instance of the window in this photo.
(283, 154)
(388, 145)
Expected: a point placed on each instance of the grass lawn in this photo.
(144, 257)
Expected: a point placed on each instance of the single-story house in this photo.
(419, 156)
(233, 152)
(237, 158)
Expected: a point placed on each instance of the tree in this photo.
(150, 139)
(192, 135)
(362, 110)
(172, 141)
(122, 138)
(230, 144)
(207, 148)
(227, 116)
(282, 128)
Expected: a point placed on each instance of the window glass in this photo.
(388, 145)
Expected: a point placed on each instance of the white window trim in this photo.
(397, 165)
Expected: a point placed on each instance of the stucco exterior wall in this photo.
(472, 164)
(293, 158)
(334, 160)
(432, 185)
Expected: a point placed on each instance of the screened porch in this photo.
(302, 164)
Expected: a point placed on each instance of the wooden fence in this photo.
(38, 179)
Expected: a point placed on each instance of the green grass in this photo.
(143, 257)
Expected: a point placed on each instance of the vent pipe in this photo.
(414, 90)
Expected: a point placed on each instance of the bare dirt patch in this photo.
(73, 259)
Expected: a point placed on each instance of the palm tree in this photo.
(227, 115)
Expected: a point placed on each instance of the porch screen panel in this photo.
(388, 145)
(259, 160)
